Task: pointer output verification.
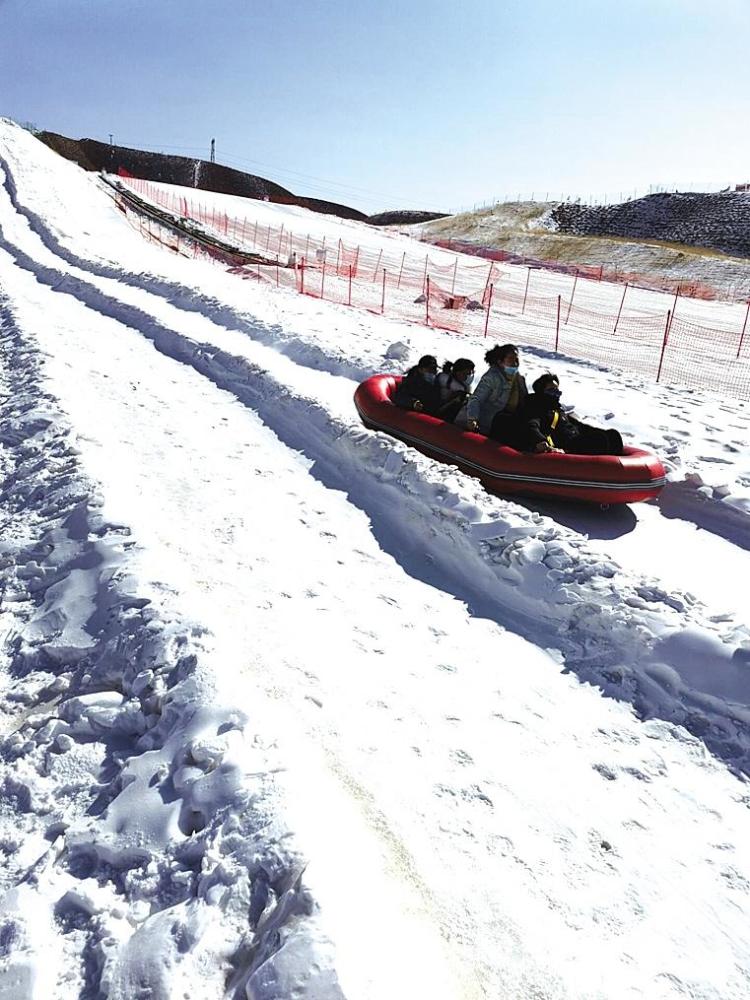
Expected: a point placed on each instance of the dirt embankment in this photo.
(187, 172)
(403, 218)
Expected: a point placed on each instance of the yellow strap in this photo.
(555, 418)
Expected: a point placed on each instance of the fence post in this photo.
(619, 311)
(375, 272)
(601, 271)
(489, 279)
(526, 291)
(670, 316)
(674, 304)
(489, 306)
(350, 285)
(572, 296)
(307, 245)
(744, 327)
(382, 301)
(302, 276)
(427, 299)
(424, 279)
(323, 279)
(557, 328)
(455, 269)
(277, 272)
(400, 271)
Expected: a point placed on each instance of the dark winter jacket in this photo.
(542, 419)
(414, 386)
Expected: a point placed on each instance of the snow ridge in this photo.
(126, 806)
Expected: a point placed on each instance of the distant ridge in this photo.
(206, 176)
(187, 172)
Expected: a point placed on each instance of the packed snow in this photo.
(288, 709)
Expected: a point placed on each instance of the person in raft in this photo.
(493, 406)
(454, 383)
(545, 427)
(417, 389)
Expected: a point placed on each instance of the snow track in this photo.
(103, 687)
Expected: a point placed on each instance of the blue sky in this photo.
(399, 104)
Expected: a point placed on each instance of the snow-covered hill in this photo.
(289, 710)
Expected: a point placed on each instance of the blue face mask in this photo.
(510, 369)
(429, 376)
(468, 379)
(554, 393)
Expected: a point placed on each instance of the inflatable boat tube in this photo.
(602, 479)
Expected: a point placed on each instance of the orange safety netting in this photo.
(461, 296)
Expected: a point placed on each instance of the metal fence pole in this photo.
(526, 291)
(619, 311)
(572, 296)
(744, 327)
(670, 315)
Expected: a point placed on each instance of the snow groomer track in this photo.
(267, 675)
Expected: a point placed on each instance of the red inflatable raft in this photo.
(603, 479)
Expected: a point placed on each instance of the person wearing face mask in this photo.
(492, 408)
(546, 427)
(454, 383)
(417, 389)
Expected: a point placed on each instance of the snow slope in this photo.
(290, 710)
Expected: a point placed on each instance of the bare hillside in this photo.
(534, 230)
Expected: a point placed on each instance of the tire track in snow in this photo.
(621, 632)
(115, 770)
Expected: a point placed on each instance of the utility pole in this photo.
(111, 140)
(213, 151)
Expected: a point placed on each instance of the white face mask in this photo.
(468, 380)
